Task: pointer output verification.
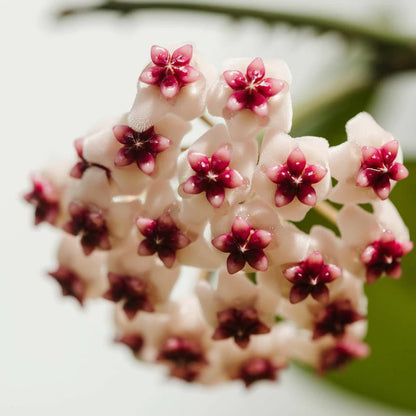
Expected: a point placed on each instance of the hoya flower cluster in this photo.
(143, 197)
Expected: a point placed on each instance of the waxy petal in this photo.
(284, 195)
(224, 243)
(220, 159)
(169, 86)
(182, 56)
(270, 87)
(187, 74)
(167, 256)
(124, 157)
(258, 104)
(159, 143)
(159, 55)
(230, 179)
(314, 263)
(146, 248)
(306, 195)
(382, 187)
(259, 239)
(152, 75)
(199, 162)
(389, 151)
(313, 174)
(215, 194)
(237, 100)
(257, 260)
(235, 262)
(298, 293)
(371, 157)
(320, 293)
(123, 134)
(240, 229)
(146, 162)
(146, 226)
(235, 79)
(398, 172)
(256, 70)
(296, 162)
(194, 185)
(278, 174)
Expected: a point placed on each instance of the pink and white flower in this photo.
(293, 174)
(368, 165)
(377, 240)
(251, 95)
(237, 309)
(175, 82)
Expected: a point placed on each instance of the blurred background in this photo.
(60, 76)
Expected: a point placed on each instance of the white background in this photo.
(58, 79)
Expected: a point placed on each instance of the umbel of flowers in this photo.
(142, 197)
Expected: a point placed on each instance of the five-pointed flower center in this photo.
(378, 167)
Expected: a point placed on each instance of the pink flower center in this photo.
(345, 351)
(139, 147)
(170, 72)
(71, 284)
(295, 179)
(132, 290)
(311, 277)
(252, 90)
(245, 244)
(239, 324)
(185, 357)
(162, 237)
(334, 318)
(133, 341)
(213, 175)
(91, 225)
(45, 198)
(378, 168)
(383, 257)
(257, 369)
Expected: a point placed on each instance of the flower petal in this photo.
(187, 74)
(182, 56)
(230, 179)
(159, 143)
(306, 195)
(123, 157)
(199, 162)
(159, 55)
(259, 239)
(237, 100)
(215, 194)
(257, 260)
(194, 185)
(235, 262)
(298, 293)
(389, 151)
(240, 229)
(169, 86)
(258, 104)
(152, 75)
(235, 79)
(271, 86)
(221, 159)
(146, 162)
(296, 162)
(256, 70)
